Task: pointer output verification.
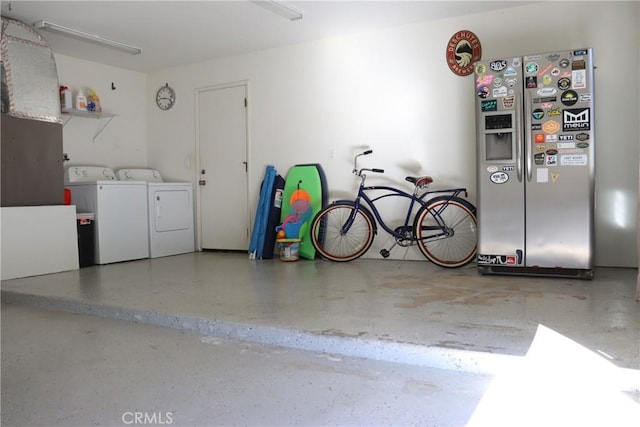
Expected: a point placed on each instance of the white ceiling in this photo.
(173, 33)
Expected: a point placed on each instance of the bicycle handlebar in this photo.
(359, 171)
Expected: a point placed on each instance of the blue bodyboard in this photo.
(256, 245)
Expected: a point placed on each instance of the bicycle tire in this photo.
(458, 246)
(333, 245)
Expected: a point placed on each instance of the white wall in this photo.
(123, 143)
(389, 90)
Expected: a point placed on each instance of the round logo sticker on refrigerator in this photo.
(538, 114)
(569, 97)
(531, 68)
(484, 92)
(564, 83)
(499, 177)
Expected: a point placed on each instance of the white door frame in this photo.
(198, 91)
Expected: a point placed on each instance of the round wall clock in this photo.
(165, 97)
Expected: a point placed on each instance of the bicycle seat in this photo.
(420, 181)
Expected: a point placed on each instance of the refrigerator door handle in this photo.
(527, 137)
(518, 137)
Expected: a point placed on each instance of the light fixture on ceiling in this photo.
(280, 8)
(66, 31)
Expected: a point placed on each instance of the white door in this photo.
(223, 193)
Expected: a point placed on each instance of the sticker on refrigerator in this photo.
(510, 72)
(484, 92)
(578, 65)
(547, 91)
(490, 105)
(579, 79)
(564, 63)
(500, 92)
(545, 99)
(484, 80)
(573, 160)
(531, 82)
(499, 177)
(531, 68)
(569, 97)
(544, 71)
(498, 65)
(585, 97)
(566, 145)
(576, 119)
(508, 101)
(498, 259)
(552, 160)
(542, 175)
(553, 57)
(537, 114)
(564, 83)
(538, 159)
(551, 126)
(554, 176)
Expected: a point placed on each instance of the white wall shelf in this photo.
(105, 118)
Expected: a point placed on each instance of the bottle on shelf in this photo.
(81, 101)
(65, 98)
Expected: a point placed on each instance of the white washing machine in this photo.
(120, 208)
(170, 204)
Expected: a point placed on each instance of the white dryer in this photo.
(170, 205)
(120, 208)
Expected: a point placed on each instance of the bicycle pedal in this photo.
(385, 253)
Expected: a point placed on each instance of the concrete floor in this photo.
(372, 342)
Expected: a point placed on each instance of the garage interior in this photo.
(215, 338)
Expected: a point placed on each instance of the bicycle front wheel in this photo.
(339, 232)
(446, 231)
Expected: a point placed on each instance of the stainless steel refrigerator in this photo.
(535, 153)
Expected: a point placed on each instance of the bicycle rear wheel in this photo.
(446, 231)
(336, 242)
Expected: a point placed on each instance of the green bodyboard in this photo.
(311, 179)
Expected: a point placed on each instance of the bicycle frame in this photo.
(395, 192)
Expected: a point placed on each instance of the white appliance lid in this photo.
(88, 174)
(148, 175)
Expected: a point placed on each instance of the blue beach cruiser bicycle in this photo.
(444, 226)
